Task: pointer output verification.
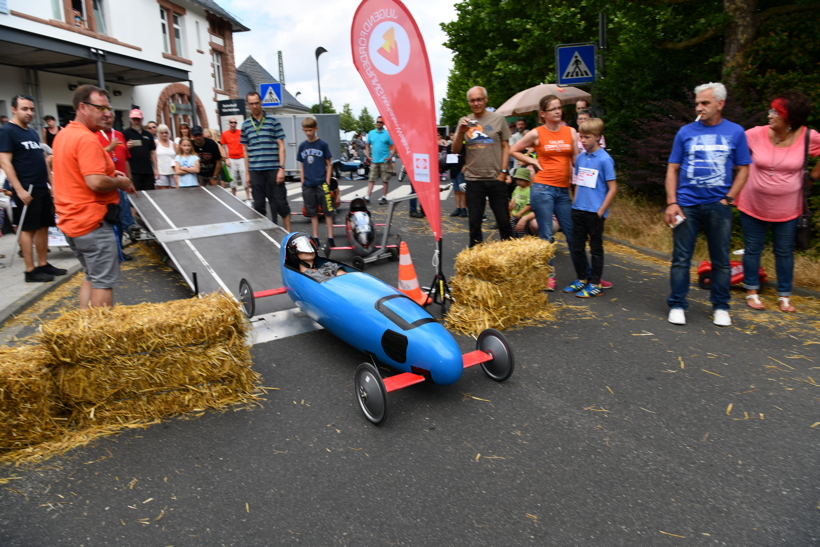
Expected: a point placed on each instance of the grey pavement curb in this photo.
(25, 301)
(799, 291)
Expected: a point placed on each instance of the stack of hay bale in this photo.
(500, 284)
(29, 408)
(123, 366)
(117, 365)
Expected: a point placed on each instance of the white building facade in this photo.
(148, 53)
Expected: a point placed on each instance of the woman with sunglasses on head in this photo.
(184, 132)
(773, 195)
(50, 130)
(165, 159)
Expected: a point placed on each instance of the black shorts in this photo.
(143, 181)
(315, 198)
(40, 212)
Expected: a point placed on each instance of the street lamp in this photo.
(319, 51)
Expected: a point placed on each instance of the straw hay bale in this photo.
(501, 261)
(157, 403)
(103, 334)
(128, 375)
(28, 407)
(499, 285)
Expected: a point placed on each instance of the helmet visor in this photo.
(303, 244)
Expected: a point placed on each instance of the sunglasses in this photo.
(99, 107)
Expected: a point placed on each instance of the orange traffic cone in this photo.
(408, 282)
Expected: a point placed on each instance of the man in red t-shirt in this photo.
(114, 143)
(236, 156)
(85, 184)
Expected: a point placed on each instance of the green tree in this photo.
(657, 49)
(365, 121)
(327, 107)
(347, 121)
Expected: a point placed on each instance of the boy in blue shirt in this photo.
(594, 192)
(315, 171)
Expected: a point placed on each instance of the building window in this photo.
(99, 16)
(178, 35)
(218, 70)
(87, 14)
(172, 19)
(198, 36)
(163, 16)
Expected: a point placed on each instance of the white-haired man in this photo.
(708, 167)
(485, 137)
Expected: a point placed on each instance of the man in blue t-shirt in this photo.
(22, 159)
(708, 167)
(315, 170)
(379, 151)
(264, 142)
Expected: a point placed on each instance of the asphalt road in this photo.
(612, 431)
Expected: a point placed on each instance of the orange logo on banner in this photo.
(421, 164)
(390, 49)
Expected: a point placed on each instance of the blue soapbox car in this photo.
(385, 324)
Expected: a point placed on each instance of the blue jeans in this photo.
(754, 237)
(716, 221)
(126, 218)
(546, 201)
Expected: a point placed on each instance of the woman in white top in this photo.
(165, 159)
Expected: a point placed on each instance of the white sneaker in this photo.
(677, 316)
(721, 318)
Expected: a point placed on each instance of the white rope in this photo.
(435, 258)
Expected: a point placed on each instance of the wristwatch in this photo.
(730, 200)
(505, 171)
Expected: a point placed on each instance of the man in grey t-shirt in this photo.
(485, 137)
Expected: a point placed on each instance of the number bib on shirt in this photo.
(587, 177)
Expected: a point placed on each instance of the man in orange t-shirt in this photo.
(85, 184)
(236, 156)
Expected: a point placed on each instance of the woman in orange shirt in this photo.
(556, 146)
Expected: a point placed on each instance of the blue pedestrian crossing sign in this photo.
(575, 63)
(271, 94)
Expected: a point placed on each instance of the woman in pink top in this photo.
(772, 197)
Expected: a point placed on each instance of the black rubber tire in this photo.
(358, 263)
(705, 281)
(394, 254)
(503, 363)
(246, 298)
(370, 393)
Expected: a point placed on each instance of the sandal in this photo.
(753, 301)
(785, 304)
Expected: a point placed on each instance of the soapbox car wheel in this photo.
(358, 263)
(502, 364)
(705, 281)
(246, 298)
(394, 254)
(371, 393)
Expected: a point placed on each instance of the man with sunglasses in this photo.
(236, 156)
(86, 197)
(143, 160)
(22, 159)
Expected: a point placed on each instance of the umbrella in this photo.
(526, 101)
